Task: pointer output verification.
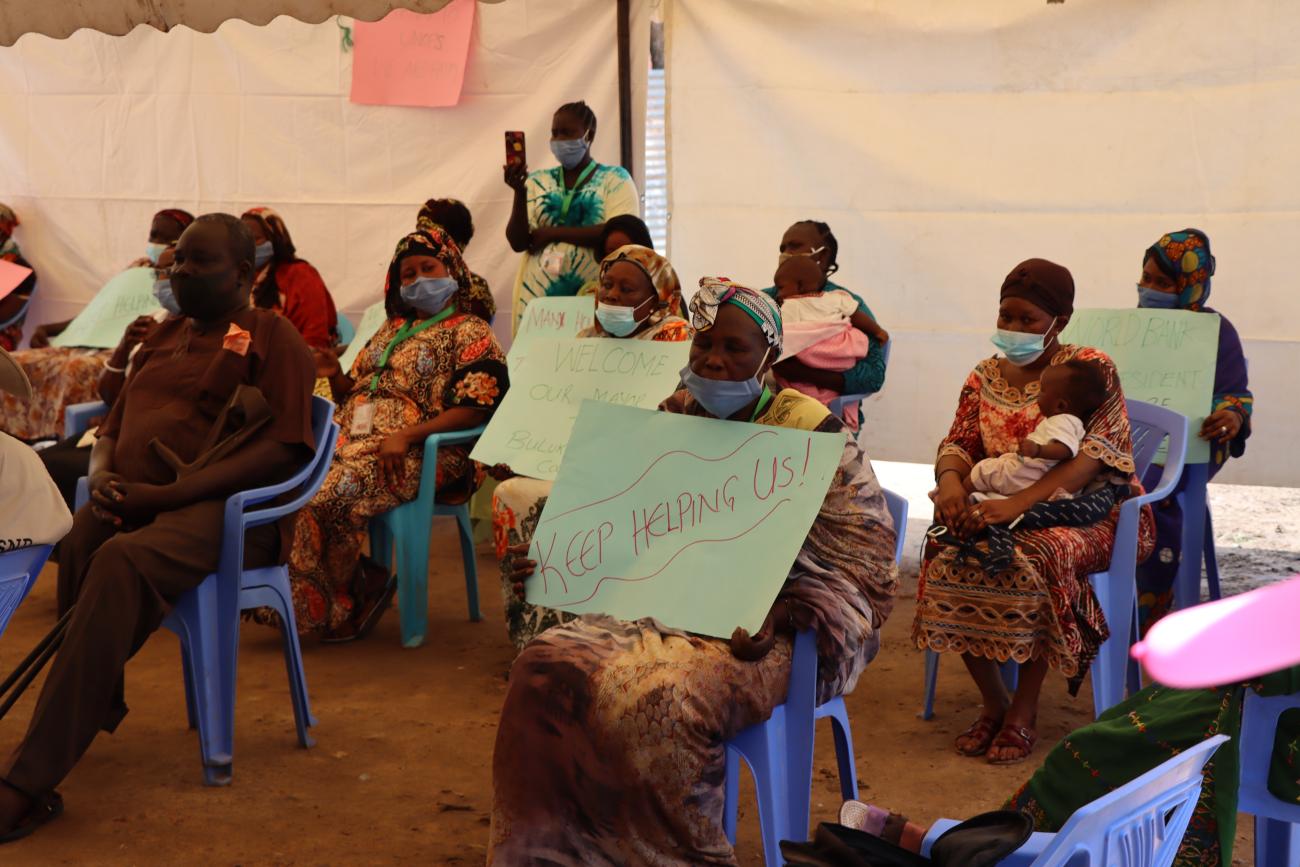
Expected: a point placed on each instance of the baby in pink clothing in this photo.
(822, 328)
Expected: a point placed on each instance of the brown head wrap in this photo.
(1044, 284)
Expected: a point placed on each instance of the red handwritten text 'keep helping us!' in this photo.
(721, 507)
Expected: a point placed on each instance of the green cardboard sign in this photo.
(1165, 357)
(693, 521)
(551, 316)
(371, 321)
(102, 322)
(528, 432)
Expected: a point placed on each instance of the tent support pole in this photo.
(625, 83)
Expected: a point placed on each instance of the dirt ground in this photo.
(401, 769)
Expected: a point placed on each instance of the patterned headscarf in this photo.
(1185, 258)
(274, 228)
(8, 220)
(656, 268)
(430, 240)
(716, 291)
(182, 218)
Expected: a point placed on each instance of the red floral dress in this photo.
(1044, 605)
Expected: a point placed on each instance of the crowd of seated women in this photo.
(610, 744)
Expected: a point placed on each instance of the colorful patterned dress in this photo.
(61, 376)
(1136, 735)
(455, 363)
(517, 503)
(607, 192)
(610, 745)
(1043, 607)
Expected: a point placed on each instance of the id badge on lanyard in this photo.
(553, 260)
(363, 418)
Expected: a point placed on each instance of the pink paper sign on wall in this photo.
(411, 59)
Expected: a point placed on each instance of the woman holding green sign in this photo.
(1176, 273)
(640, 298)
(559, 213)
(610, 745)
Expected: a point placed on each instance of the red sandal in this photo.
(983, 730)
(1021, 738)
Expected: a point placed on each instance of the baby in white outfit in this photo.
(1068, 395)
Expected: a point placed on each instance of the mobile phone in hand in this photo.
(515, 153)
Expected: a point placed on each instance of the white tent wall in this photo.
(97, 132)
(944, 141)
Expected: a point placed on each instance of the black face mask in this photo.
(201, 297)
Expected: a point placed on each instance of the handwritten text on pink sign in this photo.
(411, 59)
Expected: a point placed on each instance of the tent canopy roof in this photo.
(61, 18)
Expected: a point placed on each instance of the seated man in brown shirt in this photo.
(151, 533)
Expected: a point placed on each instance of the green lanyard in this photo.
(567, 199)
(406, 331)
(763, 401)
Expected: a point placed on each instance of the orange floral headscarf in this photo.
(656, 268)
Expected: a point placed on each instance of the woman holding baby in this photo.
(1041, 611)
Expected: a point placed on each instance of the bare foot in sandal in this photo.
(975, 741)
(1013, 743)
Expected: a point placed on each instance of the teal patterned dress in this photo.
(563, 269)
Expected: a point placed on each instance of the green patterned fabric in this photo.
(1136, 735)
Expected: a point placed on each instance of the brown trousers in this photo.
(123, 584)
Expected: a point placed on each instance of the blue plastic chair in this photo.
(1116, 588)
(76, 419)
(1211, 557)
(779, 751)
(18, 571)
(836, 406)
(1140, 824)
(1197, 541)
(408, 526)
(77, 416)
(1276, 842)
(346, 330)
(206, 619)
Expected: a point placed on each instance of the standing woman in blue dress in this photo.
(560, 213)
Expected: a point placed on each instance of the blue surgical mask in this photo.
(262, 254)
(430, 294)
(154, 251)
(569, 151)
(723, 398)
(1154, 299)
(1021, 348)
(616, 320)
(162, 291)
